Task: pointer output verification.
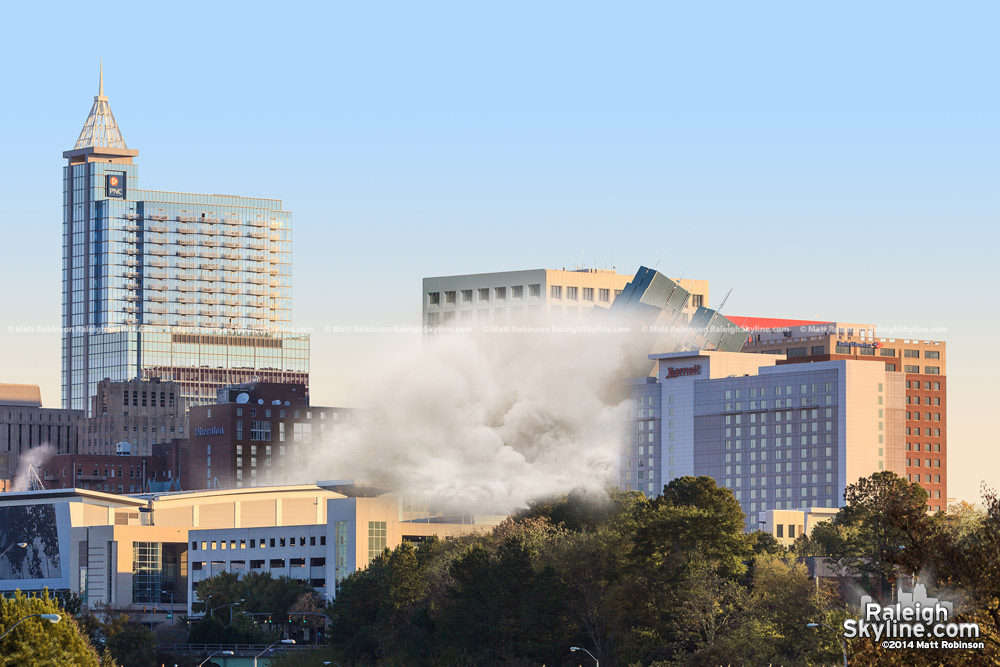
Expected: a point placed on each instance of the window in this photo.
(887, 352)
(260, 430)
(932, 370)
(535, 291)
(796, 352)
(434, 298)
(302, 432)
(588, 293)
(697, 300)
(466, 296)
(912, 354)
(517, 291)
(932, 354)
(911, 369)
(500, 293)
(604, 295)
(376, 538)
(818, 349)
(571, 293)
(555, 292)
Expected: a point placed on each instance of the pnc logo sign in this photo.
(114, 186)
(678, 372)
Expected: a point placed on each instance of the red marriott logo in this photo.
(677, 372)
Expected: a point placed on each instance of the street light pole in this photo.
(201, 664)
(23, 545)
(580, 648)
(843, 642)
(230, 605)
(280, 641)
(51, 618)
(171, 594)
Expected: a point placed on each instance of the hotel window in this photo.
(434, 298)
(260, 430)
(555, 292)
(571, 293)
(484, 293)
(604, 295)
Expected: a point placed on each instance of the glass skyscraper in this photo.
(184, 287)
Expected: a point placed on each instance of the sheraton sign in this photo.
(678, 372)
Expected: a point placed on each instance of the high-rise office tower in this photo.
(189, 288)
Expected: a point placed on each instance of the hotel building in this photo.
(258, 434)
(189, 288)
(923, 362)
(779, 436)
(536, 295)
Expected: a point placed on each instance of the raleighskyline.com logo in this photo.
(916, 621)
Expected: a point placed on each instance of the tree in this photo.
(107, 659)
(885, 527)
(133, 644)
(39, 642)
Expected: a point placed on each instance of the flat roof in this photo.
(42, 495)
(755, 323)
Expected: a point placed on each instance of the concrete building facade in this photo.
(132, 551)
(26, 427)
(530, 296)
(132, 417)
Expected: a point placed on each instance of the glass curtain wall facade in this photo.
(184, 287)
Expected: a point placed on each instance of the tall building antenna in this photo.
(100, 91)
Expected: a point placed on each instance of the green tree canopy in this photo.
(38, 642)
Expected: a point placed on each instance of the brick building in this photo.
(256, 435)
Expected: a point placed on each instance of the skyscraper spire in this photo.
(100, 129)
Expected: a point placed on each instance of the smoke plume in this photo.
(483, 423)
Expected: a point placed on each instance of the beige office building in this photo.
(535, 295)
(132, 551)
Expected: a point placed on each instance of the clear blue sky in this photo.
(832, 161)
